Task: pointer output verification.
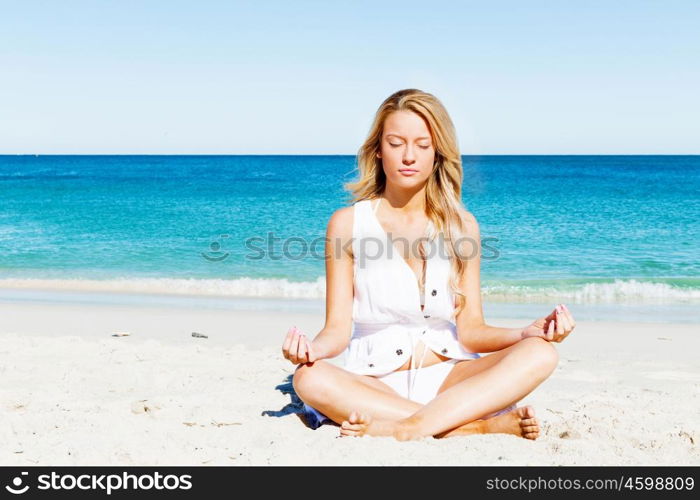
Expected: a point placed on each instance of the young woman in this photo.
(410, 316)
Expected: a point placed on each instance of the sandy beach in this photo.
(623, 394)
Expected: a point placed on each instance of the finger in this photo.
(301, 349)
(560, 325)
(288, 340)
(294, 347)
(569, 316)
(549, 319)
(301, 353)
(565, 323)
(558, 330)
(569, 321)
(550, 331)
(546, 326)
(285, 351)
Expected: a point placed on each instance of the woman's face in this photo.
(407, 150)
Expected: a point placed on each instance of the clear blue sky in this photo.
(295, 77)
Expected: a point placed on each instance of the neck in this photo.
(406, 201)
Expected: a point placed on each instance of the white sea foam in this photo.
(619, 291)
(241, 287)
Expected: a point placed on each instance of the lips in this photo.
(407, 170)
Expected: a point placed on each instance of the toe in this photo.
(531, 432)
(529, 421)
(353, 427)
(527, 412)
(350, 424)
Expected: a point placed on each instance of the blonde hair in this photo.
(443, 193)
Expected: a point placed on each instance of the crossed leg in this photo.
(364, 404)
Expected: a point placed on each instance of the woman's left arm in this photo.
(474, 334)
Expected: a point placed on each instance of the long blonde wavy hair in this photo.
(443, 193)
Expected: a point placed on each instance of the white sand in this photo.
(623, 394)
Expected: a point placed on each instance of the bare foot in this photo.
(360, 424)
(519, 422)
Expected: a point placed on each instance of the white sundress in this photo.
(387, 317)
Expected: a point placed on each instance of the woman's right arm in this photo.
(335, 335)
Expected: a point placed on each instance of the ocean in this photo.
(614, 237)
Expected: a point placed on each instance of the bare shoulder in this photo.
(339, 231)
(471, 225)
(340, 223)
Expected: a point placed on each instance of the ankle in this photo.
(408, 428)
(484, 426)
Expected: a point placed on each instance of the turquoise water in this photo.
(588, 229)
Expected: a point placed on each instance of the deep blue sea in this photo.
(577, 229)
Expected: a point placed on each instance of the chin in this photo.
(409, 181)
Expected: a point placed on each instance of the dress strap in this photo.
(376, 205)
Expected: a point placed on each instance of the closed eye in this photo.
(397, 145)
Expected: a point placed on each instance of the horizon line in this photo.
(336, 154)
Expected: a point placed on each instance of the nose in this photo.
(409, 157)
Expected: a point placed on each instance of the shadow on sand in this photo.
(295, 407)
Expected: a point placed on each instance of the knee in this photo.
(542, 353)
(308, 379)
